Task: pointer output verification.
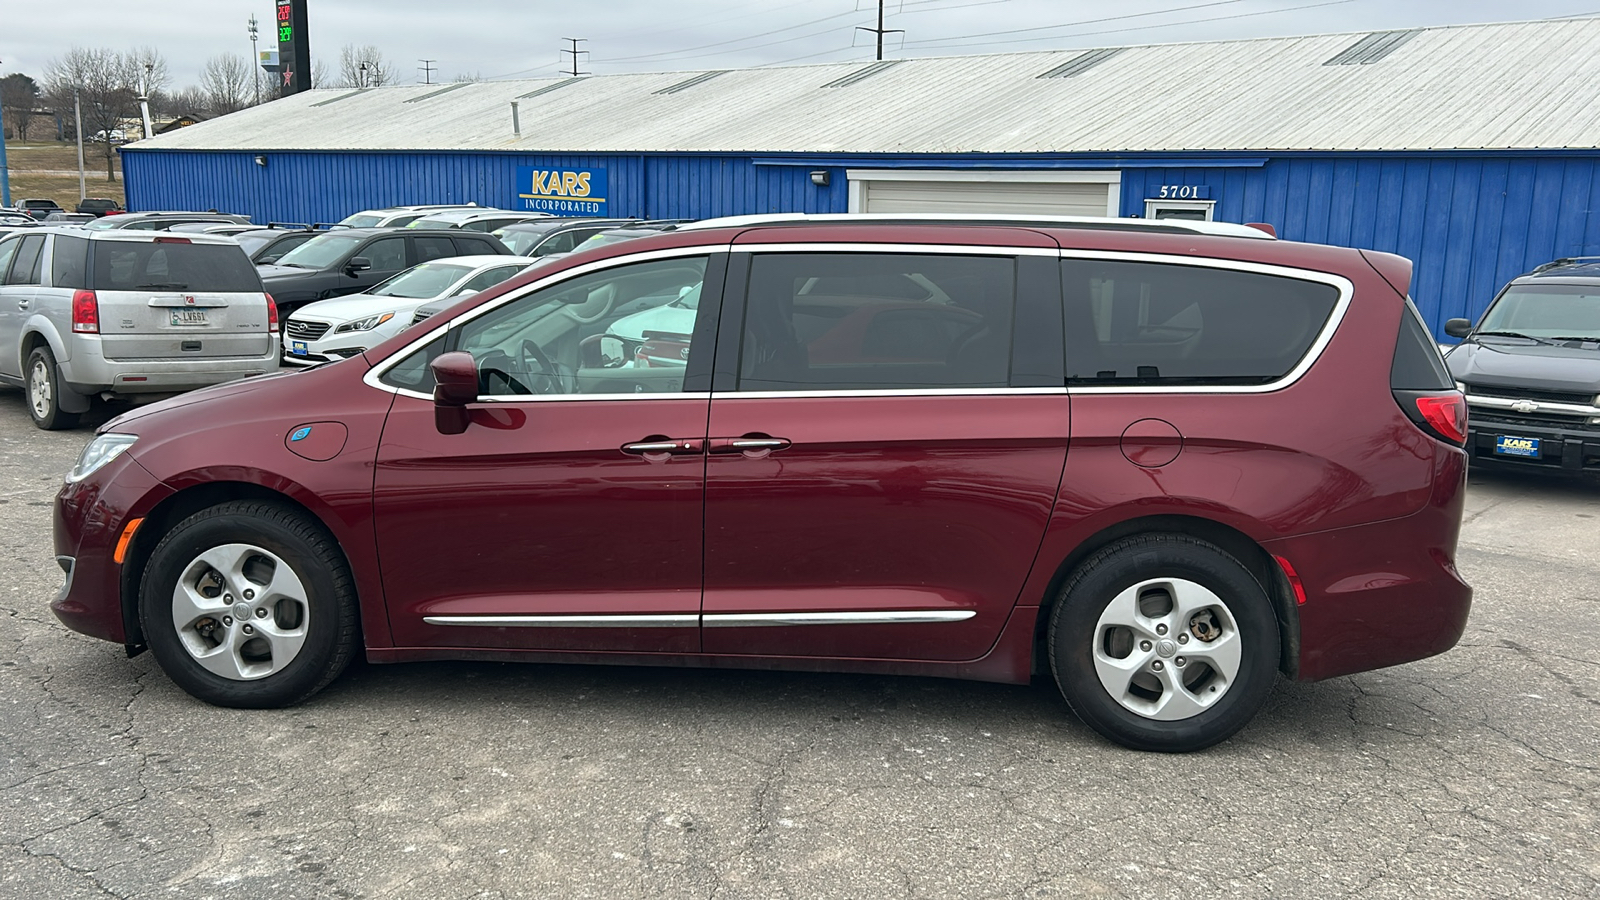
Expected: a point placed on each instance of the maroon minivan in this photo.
(1165, 460)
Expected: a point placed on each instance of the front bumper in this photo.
(90, 516)
(1570, 445)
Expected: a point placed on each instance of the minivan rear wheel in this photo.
(249, 604)
(1164, 642)
(44, 392)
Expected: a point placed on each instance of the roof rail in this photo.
(1170, 226)
(1563, 262)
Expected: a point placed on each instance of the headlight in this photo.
(367, 324)
(103, 449)
(1461, 386)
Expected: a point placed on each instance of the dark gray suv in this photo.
(1531, 370)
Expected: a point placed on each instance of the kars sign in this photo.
(562, 192)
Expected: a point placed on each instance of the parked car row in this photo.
(41, 210)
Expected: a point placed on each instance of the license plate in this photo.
(1508, 445)
(299, 348)
(188, 317)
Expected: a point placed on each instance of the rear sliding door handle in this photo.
(693, 445)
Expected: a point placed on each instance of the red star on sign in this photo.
(288, 76)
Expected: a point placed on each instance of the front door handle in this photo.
(665, 445)
(754, 444)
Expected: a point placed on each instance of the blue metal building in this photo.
(1469, 149)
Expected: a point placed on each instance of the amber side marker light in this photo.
(125, 540)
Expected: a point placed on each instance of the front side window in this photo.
(387, 255)
(627, 329)
(320, 252)
(843, 321)
(1134, 323)
(8, 252)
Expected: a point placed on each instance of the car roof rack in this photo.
(1167, 226)
(1564, 262)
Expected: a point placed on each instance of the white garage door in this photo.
(1011, 193)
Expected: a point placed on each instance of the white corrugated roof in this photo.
(1508, 86)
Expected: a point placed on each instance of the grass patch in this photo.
(50, 170)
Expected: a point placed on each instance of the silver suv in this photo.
(118, 313)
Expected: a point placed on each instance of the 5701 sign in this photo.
(1183, 192)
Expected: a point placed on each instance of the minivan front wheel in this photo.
(1164, 642)
(249, 604)
(44, 392)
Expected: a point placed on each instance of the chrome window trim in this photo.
(870, 617)
(1313, 353)
(689, 620)
(893, 392)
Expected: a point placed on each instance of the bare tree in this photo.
(319, 73)
(189, 100)
(19, 97)
(365, 66)
(147, 67)
(225, 81)
(100, 78)
(467, 77)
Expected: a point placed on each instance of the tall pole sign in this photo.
(294, 48)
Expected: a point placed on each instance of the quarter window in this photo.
(1130, 323)
(833, 321)
(69, 262)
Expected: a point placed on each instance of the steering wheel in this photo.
(546, 377)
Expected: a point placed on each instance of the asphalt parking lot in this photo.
(1474, 774)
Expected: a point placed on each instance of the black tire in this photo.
(42, 391)
(1076, 626)
(328, 619)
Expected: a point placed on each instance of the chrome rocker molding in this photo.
(714, 620)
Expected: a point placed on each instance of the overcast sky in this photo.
(521, 38)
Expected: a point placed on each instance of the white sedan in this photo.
(345, 326)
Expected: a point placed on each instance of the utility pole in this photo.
(255, 59)
(77, 118)
(427, 70)
(362, 69)
(5, 173)
(880, 31)
(575, 51)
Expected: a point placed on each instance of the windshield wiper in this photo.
(161, 286)
(1584, 338)
(1513, 334)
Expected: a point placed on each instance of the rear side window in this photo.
(25, 267)
(164, 266)
(69, 262)
(827, 321)
(1417, 364)
(1132, 323)
(434, 248)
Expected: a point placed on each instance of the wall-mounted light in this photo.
(261, 160)
(820, 177)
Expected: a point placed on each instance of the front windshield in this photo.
(321, 251)
(610, 237)
(1549, 311)
(361, 221)
(422, 282)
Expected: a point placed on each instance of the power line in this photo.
(575, 53)
(647, 56)
(1078, 24)
(427, 70)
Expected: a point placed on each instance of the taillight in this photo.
(1442, 414)
(1447, 414)
(272, 314)
(85, 312)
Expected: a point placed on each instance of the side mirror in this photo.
(357, 264)
(455, 377)
(1458, 328)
